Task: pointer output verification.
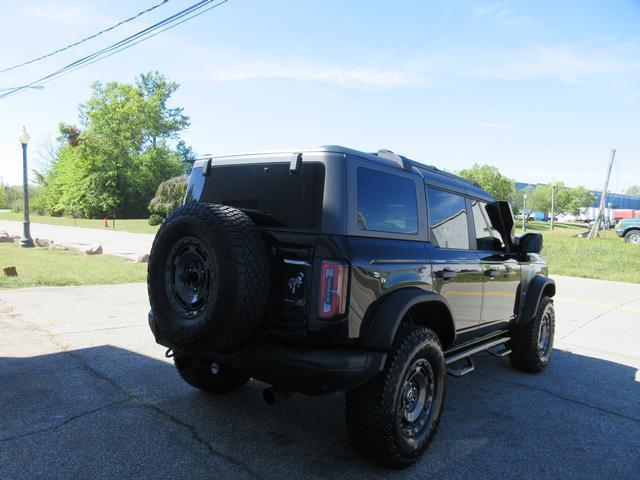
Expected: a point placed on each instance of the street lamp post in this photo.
(27, 241)
(524, 213)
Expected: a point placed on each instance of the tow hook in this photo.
(273, 395)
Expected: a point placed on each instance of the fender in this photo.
(538, 286)
(380, 330)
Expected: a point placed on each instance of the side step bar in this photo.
(467, 353)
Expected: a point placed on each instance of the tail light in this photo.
(333, 288)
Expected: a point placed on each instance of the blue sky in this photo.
(542, 90)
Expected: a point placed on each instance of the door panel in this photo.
(501, 280)
(459, 278)
(501, 272)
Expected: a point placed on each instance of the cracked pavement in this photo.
(85, 392)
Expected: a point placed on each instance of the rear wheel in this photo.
(532, 345)
(393, 418)
(209, 377)
(632, 236)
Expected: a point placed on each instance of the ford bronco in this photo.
(332, 269)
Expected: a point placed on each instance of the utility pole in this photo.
(603, 199)
(553, 200)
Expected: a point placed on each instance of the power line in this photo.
(102, 57)
(86, 39)
(128, 42)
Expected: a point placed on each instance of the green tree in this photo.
(490, 178)
(113, 163)
(634, 190)
(540, 199)
(187, 156)
(567, 200)
(4, 198)
(571, 200)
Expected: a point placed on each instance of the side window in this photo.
(386, 203)
(487, 237)
(448, 219)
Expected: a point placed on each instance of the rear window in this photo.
(269, 194)
(386, 203)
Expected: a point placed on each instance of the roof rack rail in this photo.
(399, 160)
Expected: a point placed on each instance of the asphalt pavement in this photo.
(86, 393)
(125, 244)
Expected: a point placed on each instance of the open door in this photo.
(501, 217)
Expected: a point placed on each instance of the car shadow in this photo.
(106, 411)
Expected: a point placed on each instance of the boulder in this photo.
(94, 250)
(6, 239)
(57, 246)
(43, 242)
(143, 258)
(10, 271)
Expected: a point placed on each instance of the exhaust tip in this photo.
(268, 396)
(273, 395)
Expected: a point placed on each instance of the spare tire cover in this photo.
(208, 278)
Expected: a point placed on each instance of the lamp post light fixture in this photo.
(524, 213)
(27, 241)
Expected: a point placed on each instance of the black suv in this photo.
(330, 270)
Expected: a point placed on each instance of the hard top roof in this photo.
(431, 174)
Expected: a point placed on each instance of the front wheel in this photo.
(393, 418)
(208, 376)
(632, 237)
(531, 345)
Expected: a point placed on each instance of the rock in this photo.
(43, 242)
(57, 246)
(143, 258)
(4, 233)
(5, 237)
(10, 271)
(16, 237)
(94, 250)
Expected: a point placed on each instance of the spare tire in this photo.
(208, 278)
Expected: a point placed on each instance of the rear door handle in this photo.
(446, 274)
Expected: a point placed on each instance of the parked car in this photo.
(331, 270)
(629, 229)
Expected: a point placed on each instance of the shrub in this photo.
(169, 196)
(155, 219)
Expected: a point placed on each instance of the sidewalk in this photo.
(124, 244)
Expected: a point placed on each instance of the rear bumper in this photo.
(304, 369)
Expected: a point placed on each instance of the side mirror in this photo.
(530, 243)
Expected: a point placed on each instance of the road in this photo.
(87, 394)
(125, 244)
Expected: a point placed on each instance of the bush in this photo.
(155, 219)
(169, 196)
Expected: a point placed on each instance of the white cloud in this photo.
(79, 13)
(355, 76)
(558, 62)
(497, 126)
(504, 17)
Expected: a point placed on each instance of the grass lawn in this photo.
(607, 257)
(40, 266)
(136, 226)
